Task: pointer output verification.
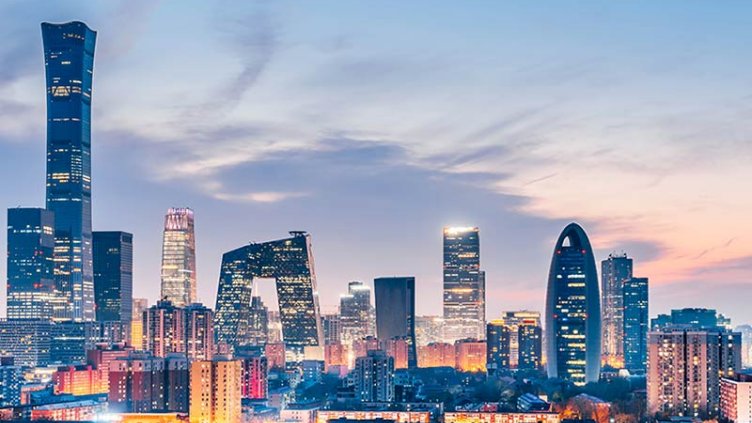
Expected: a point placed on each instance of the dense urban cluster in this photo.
(77, 346)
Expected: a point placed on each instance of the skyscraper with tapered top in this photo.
(573, 325)
(179, 257)
(464, 285)
(69, 67)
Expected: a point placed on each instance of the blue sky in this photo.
(374, 124)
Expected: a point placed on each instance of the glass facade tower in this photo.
(615, 270)
(464, 285)
(573, 326)
(395, 312)
(113, 276)
(31, 281)
(290, 262)
(356, 314)
(636, 324)
(69, 66)
(179, 257)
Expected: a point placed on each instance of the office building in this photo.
(736, 398)
(573, 338)
(635, 324)
(528, 324)
(11, 379)
(70, 340)
(616, 269)
(685, 366)
(179, 257)
(31, 277)
(137, 323)
(429, 329)
(164, 329)
(290, 262)
(395, 313)
(373, 377)
(258, 324)
(470, 355)
(355, 310)
(199, 332)
(113, 276)
(27, 341)
(464, 285)
(216, 391)
(69, 68)
(497, 347)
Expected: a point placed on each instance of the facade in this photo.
(470, 355)
(573, 310)
(179, 257)
(400, 350)
(395, 313)
(635, 324)
(464, 285)
(31, 266)
(367, 415)
(696, 318)
(356, 316)
(27, 341)
(113, 276)
(69, 341)
(615, 270)
(78, 380)
(101, 356)
(69, 68)
(373, 377)
(530, 351)
(11, 379)
(164, 329)
(199, 332)
(136, 384)
(736, 398)
(685, 367)
(255, 377)
(498, 417)
(290, 262)
(429, 329)
(523, 323)
(258, 324)
(215, 391)
(332, 328)
(437, 354)
(497, 346)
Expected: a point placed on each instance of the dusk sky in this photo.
(373, 124)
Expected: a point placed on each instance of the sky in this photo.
(373, 124)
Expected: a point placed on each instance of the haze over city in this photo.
(374, 127)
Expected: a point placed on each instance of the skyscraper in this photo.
(31, 279)
(519, 324)
(113, 276)
(199, 332)
(258, 324)
(614, 271)
(69, 66)
(395, 312)
(573, 341)
(355, 312)
(179, 257)
(497, 347)
(290, 262)
(635, 324)
(464, 285)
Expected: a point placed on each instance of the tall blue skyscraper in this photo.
(31, 283)
(113, 276)
(464, 285)
(573, 341)
(636, 324)
(395, 312)
(69, 65)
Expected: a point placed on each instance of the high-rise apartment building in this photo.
(355, 310)
(685, 366)
(573, 329)
(615, 270)
(136, 384)
(179, 257)
(520, 322)
(69, 68)
(736, 398)
(332, 328)
(199, 332)
(395, 312)
(255, 376)
(31, 277)
(164, 329)
(464, 285)
(11, 379)
(497, 347)
(290, 262)
(216, 391)
(113, 276)
(635, 324)
(373, 377)
(470, 355)
(436, 354)
(530, 347)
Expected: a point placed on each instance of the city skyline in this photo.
(713, 254)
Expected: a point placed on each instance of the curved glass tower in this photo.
(573, 325)
(69, 67)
